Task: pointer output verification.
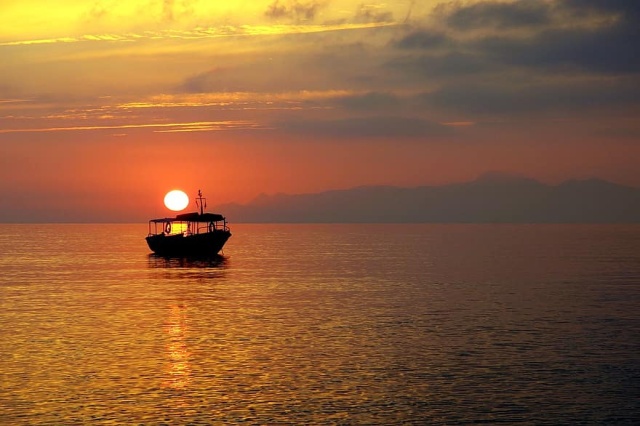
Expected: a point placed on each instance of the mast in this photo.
(201, 202)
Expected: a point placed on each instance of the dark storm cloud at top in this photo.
(610, 49)
(501, 15)
(610, 46)
(525, 55)
(627, 7)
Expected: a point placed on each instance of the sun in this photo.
(176, 200)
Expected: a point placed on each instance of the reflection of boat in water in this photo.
(189, 234)
(215, 261)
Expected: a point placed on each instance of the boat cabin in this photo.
(188, 224)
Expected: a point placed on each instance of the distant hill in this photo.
(492, 198)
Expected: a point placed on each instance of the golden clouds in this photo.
(37, 21)
(159, 113)
(198, 126)
(204, 33)
(149, 48)
(235, 99)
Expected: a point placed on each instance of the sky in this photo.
(107, 105)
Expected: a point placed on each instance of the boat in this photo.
(189, 234)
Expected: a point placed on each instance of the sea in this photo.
(327, 324)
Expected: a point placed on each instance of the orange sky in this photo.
(105, 106)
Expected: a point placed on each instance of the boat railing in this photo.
(171, 227)
(212, 226)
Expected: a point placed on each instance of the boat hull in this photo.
(205, 244)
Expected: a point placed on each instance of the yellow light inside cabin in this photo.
(178, 227)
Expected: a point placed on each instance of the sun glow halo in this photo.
(176, 200)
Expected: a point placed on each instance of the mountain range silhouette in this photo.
(492, 198)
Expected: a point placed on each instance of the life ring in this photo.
(212, 226)
(167, 228)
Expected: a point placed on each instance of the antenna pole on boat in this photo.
(201, 202)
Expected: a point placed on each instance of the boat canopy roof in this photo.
(192, 217)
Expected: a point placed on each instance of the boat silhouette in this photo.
(189, 234)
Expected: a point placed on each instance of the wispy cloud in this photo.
(204, 33)
(235, 100)
(198, 126)
(12, 101)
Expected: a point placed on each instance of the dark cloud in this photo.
(611, 50)
(370, 13)
(422, 39)
(444, 65)
(216, 79)
(629, 10)
(368, 127)
(369, 101)
(607, 48)
(571, 56)
(602, 37)
(499, 15)
(293, 9)
(478, 98)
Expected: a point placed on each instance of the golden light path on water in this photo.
(178, 353)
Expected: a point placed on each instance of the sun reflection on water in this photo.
(178, 368)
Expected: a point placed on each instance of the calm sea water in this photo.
(322, 324)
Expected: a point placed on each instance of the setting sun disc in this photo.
(176, 200)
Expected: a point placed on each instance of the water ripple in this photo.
(322, 324)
